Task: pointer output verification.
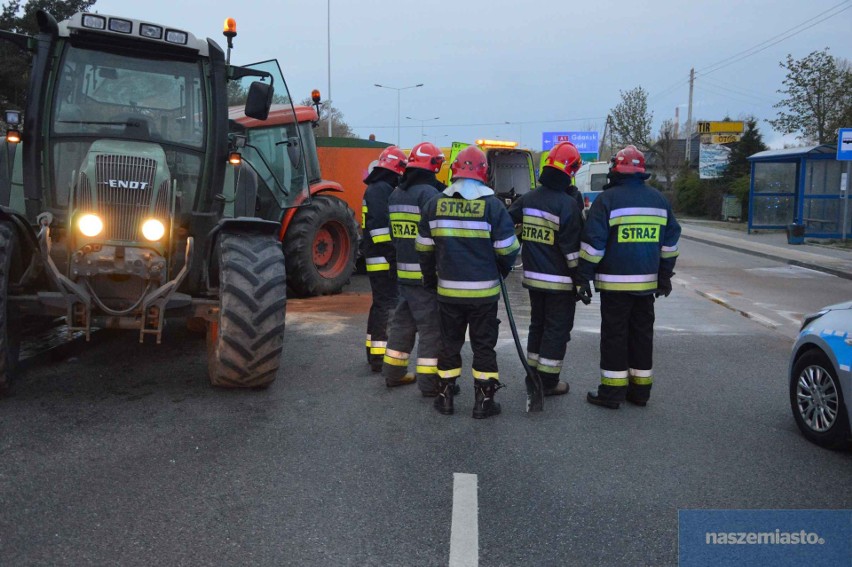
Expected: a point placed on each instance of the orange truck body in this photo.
(347, 161)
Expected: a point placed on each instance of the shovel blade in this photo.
(535, 394)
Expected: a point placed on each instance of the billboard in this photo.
(721, 127)
(586, 142)
(712, 160)
(715, 148)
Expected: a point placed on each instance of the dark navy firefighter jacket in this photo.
(551, 238)
(630, 237)
(376, 242)
(405, 206)
(466, 246)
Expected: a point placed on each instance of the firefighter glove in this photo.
(664, 285)
(584, 292)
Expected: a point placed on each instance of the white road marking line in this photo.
(464, 531)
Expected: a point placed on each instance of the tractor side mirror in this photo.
(259, 100)
(294, 150)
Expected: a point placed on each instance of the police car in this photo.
(820, 376)
(590, 179)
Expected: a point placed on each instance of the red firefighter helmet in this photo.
(565, 157)
(426, 155)
(394, 159)
(629, 160)
(470, 164)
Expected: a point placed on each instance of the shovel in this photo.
(535, 391)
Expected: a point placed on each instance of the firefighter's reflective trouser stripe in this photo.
(552, 318)
(385, 296)
(627, 339)
(415, 318)
(377, 264)
(484, 326)
(629, 282)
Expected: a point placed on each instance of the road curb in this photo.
(790, 261)
(757, 318)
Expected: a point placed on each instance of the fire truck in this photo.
(511, 170)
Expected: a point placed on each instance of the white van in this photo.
(590, 180)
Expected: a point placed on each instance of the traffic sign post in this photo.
(844, 153)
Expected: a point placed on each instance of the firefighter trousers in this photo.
(415, 318)
(484, 330)
(551, 321)
(627, 343)
(385, 296)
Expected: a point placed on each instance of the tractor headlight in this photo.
(153, 230)
(90, 225)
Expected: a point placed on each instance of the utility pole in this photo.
(689, 127)
(608, 128)
(329, 65)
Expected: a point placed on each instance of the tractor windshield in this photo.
(108, 95)
(105, 94)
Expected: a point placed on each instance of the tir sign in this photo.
(122, 184)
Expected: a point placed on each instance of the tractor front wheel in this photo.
(244, 344)
(320, 247)
(9, 342)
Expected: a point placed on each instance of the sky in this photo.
(511, 70)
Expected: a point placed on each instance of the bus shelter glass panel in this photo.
(823, 211)
(774, 199)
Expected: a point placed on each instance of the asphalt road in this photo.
(121, 454)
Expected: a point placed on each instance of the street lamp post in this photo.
(520, 131)
(422, 121)
(329, 66)
(397, 89)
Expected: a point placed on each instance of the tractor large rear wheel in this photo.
(244, 345)
(320, 247)
(9, 342)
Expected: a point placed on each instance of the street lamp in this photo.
(520, 130)
(422, 121)
(397, 89)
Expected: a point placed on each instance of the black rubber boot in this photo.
(639, 395)
(375, 361)
(444, 399)
(607, 396)
(484, 404)
(434, 393)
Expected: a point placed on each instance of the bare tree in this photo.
(339, 128)
(665, 153)
(631, 121)
(818, 88)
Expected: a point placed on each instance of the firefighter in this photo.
(378, 250)
(417, 309)
(467, 243)
(629, 247)
(551, 225)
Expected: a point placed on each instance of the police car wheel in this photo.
(816, 399)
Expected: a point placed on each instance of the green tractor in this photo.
(127, 201)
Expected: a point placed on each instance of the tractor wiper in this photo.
(102, 123)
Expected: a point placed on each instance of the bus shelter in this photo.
(799, 186)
